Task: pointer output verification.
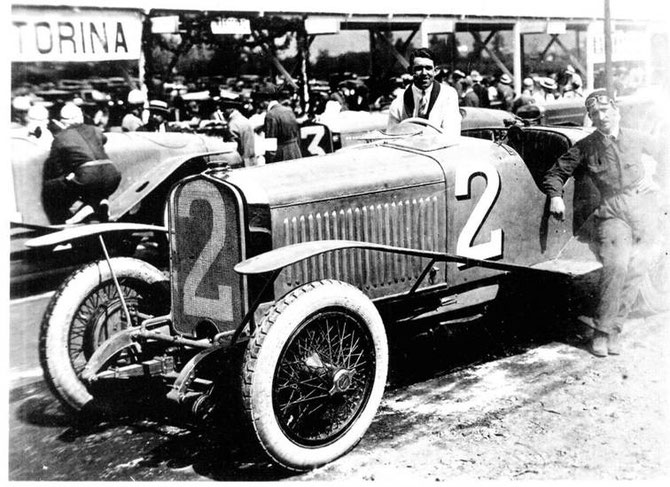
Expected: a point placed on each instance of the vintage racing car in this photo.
(304, 265)
(150, 164)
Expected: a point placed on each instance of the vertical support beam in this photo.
(517, 68)
(373, 46)
(591, 39)
(454, 49)
(609, 83)
(424, 35)
(303, 56)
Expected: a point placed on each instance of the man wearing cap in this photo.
(426, 98)
(469, 98)
(132, 121)
(548, 88)
(627, 217)
(78, 176)
(505, 92)
(527, 96)
(282, 132)
(481, 91)
(158, 115)
(240, 131)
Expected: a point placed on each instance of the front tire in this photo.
(314, 373)
(84, 312)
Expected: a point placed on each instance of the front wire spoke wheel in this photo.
(322, 383)
(314, 373)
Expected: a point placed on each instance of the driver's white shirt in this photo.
(445, 113)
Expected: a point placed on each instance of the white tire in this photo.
(314, 374)
(85, 311)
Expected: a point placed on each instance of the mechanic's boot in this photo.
(613, 343)
(81, 216)
(103, 211)
(599, 344)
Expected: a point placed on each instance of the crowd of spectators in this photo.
(196, 106)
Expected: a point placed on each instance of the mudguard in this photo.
(576, 259)
(85, 231)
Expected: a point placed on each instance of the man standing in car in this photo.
(426, 98)
(628, 216)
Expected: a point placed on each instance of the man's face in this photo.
(605, 117)
(423, 71)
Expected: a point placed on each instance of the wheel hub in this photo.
(342, 381)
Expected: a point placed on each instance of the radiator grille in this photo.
(205, 245)
(411, 223)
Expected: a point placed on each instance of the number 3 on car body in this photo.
(465, 246)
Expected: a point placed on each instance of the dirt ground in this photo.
(555, 412)
(550, 411)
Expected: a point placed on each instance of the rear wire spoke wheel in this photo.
(84, 312)
(314, 373)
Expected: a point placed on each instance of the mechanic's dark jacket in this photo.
(71, 148)
(614, 166)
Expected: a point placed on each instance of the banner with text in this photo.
(75, 35)
(627, 45)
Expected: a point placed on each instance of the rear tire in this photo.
(84, 312)
(314, 373)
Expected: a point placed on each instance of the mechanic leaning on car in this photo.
(628, 218)
(78, 175)
(426, 98)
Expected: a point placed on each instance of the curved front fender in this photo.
(73, 233)
(284, 256)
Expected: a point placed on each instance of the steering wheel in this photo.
(424, 122)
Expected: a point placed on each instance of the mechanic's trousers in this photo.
(629, 239)
(96, 180)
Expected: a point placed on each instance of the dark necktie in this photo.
(423, 105)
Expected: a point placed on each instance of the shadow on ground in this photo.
(167, 443)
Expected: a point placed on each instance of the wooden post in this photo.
(518, 57)
(608, 50)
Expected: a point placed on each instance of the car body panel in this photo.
(144, 159)
(467, 197)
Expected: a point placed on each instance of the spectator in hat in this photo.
(505, 92)
(455, 80)
(78, 176)
(133, 120)
(527, 96)
(240, 131)
(469, 98)
(573, 78)
(479, 88)
(158, 116)
(282, 132)
(20, 106)
(547, 93)
(426, 98)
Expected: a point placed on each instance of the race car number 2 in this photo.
(195, 305)
(465, 245)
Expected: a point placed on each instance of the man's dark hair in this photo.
(421, 52)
